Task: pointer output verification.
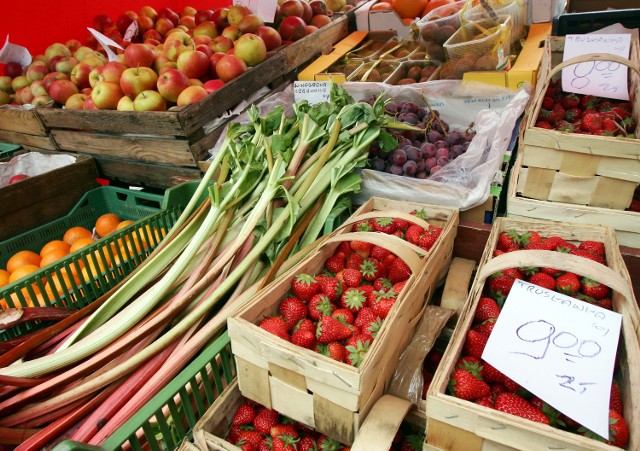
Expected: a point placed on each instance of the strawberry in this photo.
(234, 432)
(330, 329)
(364, 317)
(330, 287)
(353, 299)
(485, 327)
(618, 431)
(544, 124)
(570, 101)
(590, 255)
(511, 385)
(292, 310)
(361, 248)
(597, 247)
(413, 234)
(383, 225)
(284, 429)
(245, 414)
(276, 325)
(573, 114)
(566, 248)
(547, 102)
(343, 315)
(307, 443)
(463, 384)
(528, 237)
(379, 253)
(496, 389)
(384, 303)
(568, 283)
(372, 269)
(475, 343)
(564, 126)
(486, 308)
(265, 419)
(551, 271)
(382, 284)
(589, 102)
(304, 338)
(249, 440)
(320, 305)
(634, 205)
(543, 280)
(615, 399)
(519, 406)
(594, 289)
(354, 261)
(335, 263)
(592, 122)
(486, 401)
(553, 242)
(337, 351)
(357, 347)
(361, 226)
(610, 125)
(499, 286)
(534, 246)
(372, 329)
(399, 271)
(508, 239)
(328, 444)
(345, 248)
(401, 224)
(490, 374)
(552, 414)
(284, 443)
(304, 286)
(605, 303)
(428, 239)
(352, 278)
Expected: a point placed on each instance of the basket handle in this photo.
(403, 249)
(387, 213)
(590, 57)
(565, 262)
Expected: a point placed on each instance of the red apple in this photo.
(112, 71)
(232, 32)
(5, 84)
(292, 8)
(152, 34)
(191, 95)
(61, 90)
(187, 21)
(250, 23)
(73, 45)
(163, 26)
(230, 67)
(151, 42)
(311, 29)
(213, 61)
(13, 70)
(36, 70)
(149, 12)
(318, 7)
(320, 20)
(88, 104)
(94, 59)
(213, 85)
(106, 94)
(51, 77)
(201, 39)
(86, 91)
(220, 18)
(18, 178)
(125, 104)
(75, 101)
(38, 89)
(20, 82)
(236, 13)
(292, 28)
(176, 43)
(80, 75)
(204, 48)
(203, 15)
(193, 63)
(270, 36)
(206, 28)
(139, 55)
(145, 23)
(221, 44)
(66, 65)
(251, 49)
(41, 100)
(101, 21)
(171, 83)
(124, 20)
(170, 14)
(24, 96)
(308, 12)
(134, 80)
(149, 101)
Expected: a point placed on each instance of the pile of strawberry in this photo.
(340, 311)
(408, 438)
(258, 428)
(585, 114)
(475, 380)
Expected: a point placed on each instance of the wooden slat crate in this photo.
(333, 397)
(453, 423)
(598, 171)
(174, 139)
(626, 223)
(23, 126)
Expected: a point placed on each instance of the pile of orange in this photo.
(408, 10)
(25, 262)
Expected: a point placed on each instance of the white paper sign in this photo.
(264, 9)
(559, 348)
(599, 78)
(131, 32)
(14, 53)
(312, 91)
(105, 42)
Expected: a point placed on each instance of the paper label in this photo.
(264, 9)
(334, 77)
(312, 91)
(599, 78)
(132, 31)
(14, 53)
(559, 348)
(105, 42)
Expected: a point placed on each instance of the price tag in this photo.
(559, 348)
(312, 91)
(132, 31)
(264, 9)
(598, 78)
(105, 42)
(14, 53)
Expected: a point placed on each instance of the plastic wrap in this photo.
(512, 8)
(437, 26)
(32, 164)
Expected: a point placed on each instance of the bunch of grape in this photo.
(419, 154)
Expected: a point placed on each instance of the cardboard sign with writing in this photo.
(312, 91)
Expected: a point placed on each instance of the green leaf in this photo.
(387, 142)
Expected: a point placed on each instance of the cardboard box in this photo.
(367, 20)
(316, 70)
(525, 69)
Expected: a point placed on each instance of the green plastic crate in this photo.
(7, 150)
(153, 215)
(187, 397)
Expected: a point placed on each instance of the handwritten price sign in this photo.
(599, 78)
(559, 348)
(312, 91)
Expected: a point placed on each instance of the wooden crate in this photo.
(453, 423)
(24, 126)
(329, 396)
(40, 199)
(626, 223)
(148, 147)
(597, 171)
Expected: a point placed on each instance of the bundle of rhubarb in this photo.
(89, 373)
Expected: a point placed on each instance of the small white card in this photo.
(132, 31)
(264, 9)
(559, 348)
(312, 91)
(599, 78)
(105, 42)
(14, 53)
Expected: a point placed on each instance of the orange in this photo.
(80, 243)
(409, 9)
(4, 277)
(106, 224)
(52, 256)
(75, 233)
(22, 258)
(24, 271)
(382, 6)
(60, 283)
(54, 245)
(125, 223)
(433, 4)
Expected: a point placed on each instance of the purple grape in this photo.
(410, 167)
(413, 153)
(434, 136)
(428, 150)
(453, 137)
(403, 142)
(421, 125)
(469, 136)
(399, 157)
(395, 169)
(374, 149)
(435, 169)
(465, 145)
(392, 108)
(430, 162)
(378, 164)
(408, 107)
(440, 126)
(420, 165)
(410, 135)
(441, 161)
(421, 175)
(421, 113)
(441, 145)
(442, 152)
(457, 150)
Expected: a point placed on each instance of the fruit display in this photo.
(423, 151)
(410, 72)
(513, 8)
(374, 71)
(435, 28)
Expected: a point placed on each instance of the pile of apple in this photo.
(168, 59)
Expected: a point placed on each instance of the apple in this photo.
(204, 48)
(139, 55)
(95, 76)
(206, 28)
(311, 29)
(17, 178)
(220, 18)
(151, 42)
(106, 94)
(213, 61)
(212, 85)
(171, 83)
(94, 59)
(163, 26)
(66, 65)
(188, 11)
(168, 13)
(336, 5)
(193, 63)
(19, 82)
(61, 90)
(221, 44)
(48, 80)
(250, 23)
(230, 67)
(145, 23)
(320, 20)
(134, 80)
(125, 104)
(41, 100)
(88, 104)
(73, 45)
(176, 43)
(292, 28)
(152, 34)
(203, 15)
(101, 21)
(24, 96)
(270, 36)
(125, 20)
(232, 32)
(236, 13)
(86, 91)
(318, 7)
(251, 49)
(187, 21)
(149, 12)
(201, 39)
(5, 98)
(149, 101)
(57, 48)
(160, 60)
(5, 84)
(38, 89)
(191, 95)
(36, 71)
(308, 12)
(81, 52)
(13, 70)
(53, 61)
(112, 71)
(292, 8)
(75, 101)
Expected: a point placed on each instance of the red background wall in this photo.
(37, 26)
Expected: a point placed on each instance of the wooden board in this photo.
(507, 430)
(23, 126)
